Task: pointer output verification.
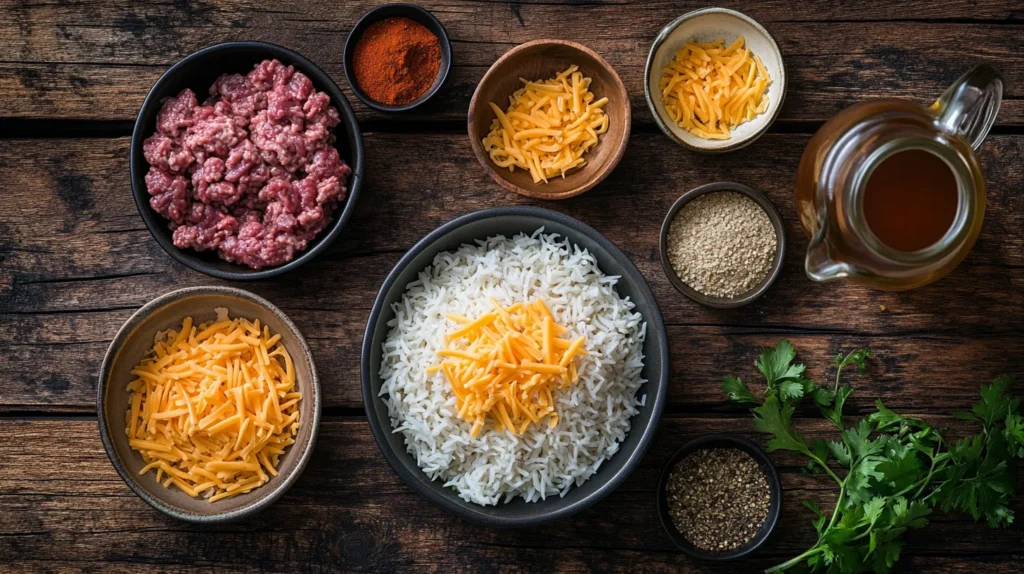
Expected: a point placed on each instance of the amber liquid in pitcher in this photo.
(887, 199)
(910, 200)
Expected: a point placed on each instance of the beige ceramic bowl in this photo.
(706, 25)
(133, 342)
(543, 59)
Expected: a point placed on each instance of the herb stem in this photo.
(795, 560)
(824, 466)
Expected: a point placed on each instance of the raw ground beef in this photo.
(252, 172)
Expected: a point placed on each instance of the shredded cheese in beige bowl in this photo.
(214, 406)
(210, 403)
(715, 80)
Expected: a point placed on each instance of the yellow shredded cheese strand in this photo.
(548, 127)
(505, 364)
(709, 88)
(213, 407)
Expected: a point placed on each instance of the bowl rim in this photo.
(722, 440)
(780, 247)
(157, 224)
(373, 16)
(603, 172)
(660, 39)
(127, 330)
(417, 479)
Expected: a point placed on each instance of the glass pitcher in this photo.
(841, 157)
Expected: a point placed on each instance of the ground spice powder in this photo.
(396, 61)
(722, 244)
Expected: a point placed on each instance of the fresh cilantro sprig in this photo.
(891, 471)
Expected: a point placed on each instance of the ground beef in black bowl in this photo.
(246, 160)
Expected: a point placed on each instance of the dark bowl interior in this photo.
(509, 221)
(416, 14)
(767, 467)
(197, 72)
(760, 288)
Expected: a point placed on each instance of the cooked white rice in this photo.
(593, 415)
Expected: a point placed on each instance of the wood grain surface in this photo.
(76, 261)
(97, 60)
(350, 512)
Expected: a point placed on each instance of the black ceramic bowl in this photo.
(767, 467)
(760, 288)
(198, 71)
(416, 14)
(509, 221)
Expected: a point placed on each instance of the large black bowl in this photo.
(198, 71)
(509, 221)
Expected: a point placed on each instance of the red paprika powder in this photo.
(396, 60)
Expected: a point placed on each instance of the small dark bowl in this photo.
(760, 288)
(774, 485)
(416, 14)
(198, 71)
(509, 221)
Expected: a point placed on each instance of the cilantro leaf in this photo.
(775, 417)
(835, 414)
(994, 406)
(738, 390)
(777, 364)
(841, 452)
(790, 389)
(884, 418)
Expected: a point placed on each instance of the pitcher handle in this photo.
(968, 108)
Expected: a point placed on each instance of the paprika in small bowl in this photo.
(396, 57)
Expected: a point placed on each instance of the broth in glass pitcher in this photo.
(890, 193)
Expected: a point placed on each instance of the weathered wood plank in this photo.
(77, 261)
(350, 512)
(97, 61)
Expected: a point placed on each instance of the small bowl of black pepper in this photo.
(719, 497)
(722, 244)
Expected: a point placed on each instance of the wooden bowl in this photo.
(133, 342)
(542, 59)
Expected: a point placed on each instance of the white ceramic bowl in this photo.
(706, 25)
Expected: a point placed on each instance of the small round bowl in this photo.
(133, 342)
(198, 71)
(760, 288)
(704, 26)
(774, 485)
(541, 59)
(509, 221)
(416, 14)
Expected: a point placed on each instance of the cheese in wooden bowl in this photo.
(210, 403)
(550, 119)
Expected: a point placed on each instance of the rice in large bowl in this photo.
(593, 415)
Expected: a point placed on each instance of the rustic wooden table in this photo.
(76, 261)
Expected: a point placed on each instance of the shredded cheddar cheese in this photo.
(548, 126)
(709, 89)
(505, 365)
(213, 407)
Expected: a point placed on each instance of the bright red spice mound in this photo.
(396, 61)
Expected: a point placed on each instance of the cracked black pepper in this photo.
(718, 498)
